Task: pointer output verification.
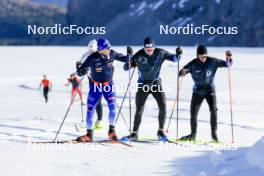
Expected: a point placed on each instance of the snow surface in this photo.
(24, 116)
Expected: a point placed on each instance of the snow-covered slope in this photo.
(24, 116)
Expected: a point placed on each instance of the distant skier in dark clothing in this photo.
(202, 70)
(149, 61)
(101, 66)
(46, 87)
(76, 87)
(92, 48)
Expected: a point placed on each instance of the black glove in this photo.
(183, 72)
(228, 55)
(178, 51)
(126, 66)
(132, 64)
(78, 65)
(81, 72)
(129, 50)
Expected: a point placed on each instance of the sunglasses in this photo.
(105, 51)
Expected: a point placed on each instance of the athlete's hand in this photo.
(129, 50)
(78, 65)
(183, 72)
(81, 72)
(228, 55)
(178, 51)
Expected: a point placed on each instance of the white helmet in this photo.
(92, 46)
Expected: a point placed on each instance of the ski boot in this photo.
(111, 133)
(161, 136)
(87, 137)
(214, 136)
(98, 125)
(190, 137)
(132, 137)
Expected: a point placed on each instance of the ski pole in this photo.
(65, 116)
(173, 109)
(82, 112)
(124, 97)
(129, 52)
(82, 106)
(122, 115)
(228, 53)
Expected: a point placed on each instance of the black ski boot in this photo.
(161, 136)
(87, 137)
(214, 136)
(111, 133)
(132, 137)
(190, 137)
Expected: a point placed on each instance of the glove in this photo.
(78, 65)
(183, 72)
(126, 66)
(129, 50)
(81, 72)
(228, 55)
(178, 51)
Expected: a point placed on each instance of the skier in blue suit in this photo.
(101, 67)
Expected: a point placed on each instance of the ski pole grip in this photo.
(129, 50)
(178, 51)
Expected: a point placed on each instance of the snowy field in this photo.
(24, 116)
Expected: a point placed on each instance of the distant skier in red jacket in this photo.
(76, 86)
(46, 87)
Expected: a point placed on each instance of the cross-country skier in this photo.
(149, 61)
(76, 87)
(202, 70)
(46, 87)
(92, 47)
(100, 64)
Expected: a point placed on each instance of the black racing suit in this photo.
(149, 71)
(203, 76)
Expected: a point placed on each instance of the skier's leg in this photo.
(211, 100)
(93, 97)
(79, 91)
(110, 97)
(141, 98)
(194, 109)
(73, 92)
(45, 93)
(161, 101)
(160, 98)
(99, 109)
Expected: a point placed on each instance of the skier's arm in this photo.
(83, 69)
(50, 84)
(133, 62)
(185, 70)
(168, 56)
(40, 84)
(224, 63)
(68, 82)
(82, 60)
(119, 56)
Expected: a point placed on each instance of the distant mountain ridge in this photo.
(129, 21)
